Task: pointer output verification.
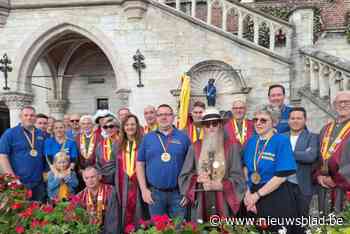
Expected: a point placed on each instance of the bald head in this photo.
(150, 115)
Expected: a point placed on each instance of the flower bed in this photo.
(17, 215)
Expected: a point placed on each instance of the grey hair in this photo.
(273, 112)
(82, 118)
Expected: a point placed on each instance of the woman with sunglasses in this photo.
(106, 150)
(268, 160)
(132, 206)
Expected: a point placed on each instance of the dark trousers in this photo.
(302, 200)
(39, 192)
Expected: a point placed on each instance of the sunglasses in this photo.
(261, 120)
(211, 123)
(109, 126)
(74, 120)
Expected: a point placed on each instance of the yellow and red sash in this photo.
(107, 149)
(147, 128)
(192, 133)
(240, 136)
(87, 154)
(100, 205)
(129, 159)
(328, 150)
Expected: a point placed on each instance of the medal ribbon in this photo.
(30, 141)
(241, 137)
(89, 152)
(107, 149)
(162, 143)
(256, 160)
(325, 150)
(129, 156)
(63, 145)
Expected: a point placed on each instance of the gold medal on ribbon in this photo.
(165, 157)
(33, 153)
(255, 177)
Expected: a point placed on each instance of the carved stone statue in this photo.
(210, 92)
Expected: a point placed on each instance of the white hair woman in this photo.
(268, 160)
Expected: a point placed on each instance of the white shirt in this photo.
(293, 141)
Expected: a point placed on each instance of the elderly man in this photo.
(99, 200)
(212, 173)
(159, 162)
(123, 113)
(305, 150)
(334, 171)
(150, 115)
(21, 153)
(74, 126)
(86, 142)
(239, 128)
(277, 95)
(193, 130)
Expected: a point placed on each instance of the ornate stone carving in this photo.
(135, 9)
(123, 96)
(4, 11)
(16, 100)
(57, 106)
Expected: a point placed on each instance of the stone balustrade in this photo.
(250, 25)
(325, 74)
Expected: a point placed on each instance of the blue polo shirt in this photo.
(162, 174)
(14, 144)
(277, 157)
(282, 125)
(52, 147)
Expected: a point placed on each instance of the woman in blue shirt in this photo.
(59, 142)
(268, 160)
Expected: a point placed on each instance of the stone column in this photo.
(4, 11)
(15, 101)
(57, 108)
(135, 9)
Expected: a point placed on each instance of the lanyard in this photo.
(32, 140)
(165, 148)
(256, 160)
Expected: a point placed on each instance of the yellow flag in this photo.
(184, 101)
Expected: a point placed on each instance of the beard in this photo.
(213, 144)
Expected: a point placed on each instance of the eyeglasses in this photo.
(164, 114)
(341, 103)
(74, 120)
(261, 120)
(109, 126)
(211, 123)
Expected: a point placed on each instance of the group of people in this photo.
(268, 166)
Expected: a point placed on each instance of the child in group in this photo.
(62, 181)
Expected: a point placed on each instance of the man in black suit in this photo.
(305, 148)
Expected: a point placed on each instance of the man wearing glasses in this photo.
(239, 128)
(160, 159)
(334, 169)
(212, 172)
(74, 130)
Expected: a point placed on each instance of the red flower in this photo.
(16, 206)
(19, 229)
(27, 213)
(143, 223)
(29, 194)
(47, 209)
(191, 225)
(162, 222)
(34, 205)
(35, 223)
(129, 228)
(263, 224)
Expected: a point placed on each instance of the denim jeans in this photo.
(167, 203)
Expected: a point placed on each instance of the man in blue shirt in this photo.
(276, 95)
(160, 159)
(74, 130)
(21, 153)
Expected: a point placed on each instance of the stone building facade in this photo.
(73, 56)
